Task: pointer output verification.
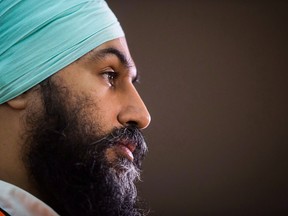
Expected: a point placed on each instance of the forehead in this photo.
(118, 44)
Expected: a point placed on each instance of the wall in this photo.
(214, 77)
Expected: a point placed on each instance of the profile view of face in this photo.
(83, 140)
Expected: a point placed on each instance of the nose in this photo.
(133, 110)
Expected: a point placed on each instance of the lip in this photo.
(127, 149)
(131, 147)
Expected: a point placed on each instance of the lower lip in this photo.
(124, 151)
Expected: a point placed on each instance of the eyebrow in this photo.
(99, 55)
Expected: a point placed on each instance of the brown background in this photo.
(215, 79)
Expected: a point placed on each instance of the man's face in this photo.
(107, 75)
(83, 145)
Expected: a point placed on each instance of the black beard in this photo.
(65, 156)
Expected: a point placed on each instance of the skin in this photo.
(117, 101)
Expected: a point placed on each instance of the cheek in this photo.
(105, 114)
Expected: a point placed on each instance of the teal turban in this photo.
(40, 37)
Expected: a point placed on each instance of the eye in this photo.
(110, 76)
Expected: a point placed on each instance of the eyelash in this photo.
(111, 77)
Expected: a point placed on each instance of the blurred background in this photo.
(214, 75)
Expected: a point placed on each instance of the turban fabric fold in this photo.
(39, 38)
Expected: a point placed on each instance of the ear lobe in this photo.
(19, 102)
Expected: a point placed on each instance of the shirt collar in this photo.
(18, 202)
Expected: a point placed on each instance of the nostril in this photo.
(132, 124)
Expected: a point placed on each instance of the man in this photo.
(71, 118)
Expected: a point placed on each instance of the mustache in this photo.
(129, 135)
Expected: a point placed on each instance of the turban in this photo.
(39, 38)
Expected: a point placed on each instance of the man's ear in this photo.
(19, 102)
